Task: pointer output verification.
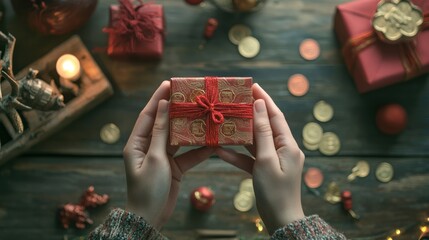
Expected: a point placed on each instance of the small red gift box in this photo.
(373, 62)
(211, 111)
(136, 30)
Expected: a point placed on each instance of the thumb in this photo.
(160, 130)
(266, 154)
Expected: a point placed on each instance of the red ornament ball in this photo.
(202, 198)
(391, 119)
(194, 2)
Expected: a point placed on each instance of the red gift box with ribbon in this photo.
(211, 111)
(383, 42)
(136, 30)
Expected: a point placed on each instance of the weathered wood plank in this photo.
(280, 26)
(32, 187)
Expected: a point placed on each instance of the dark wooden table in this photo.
(57, 170)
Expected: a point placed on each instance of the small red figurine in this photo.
(210, 29)
(202, 198)
(346, 198)
(194, 2)
(91, 199)
(70, 213)
(391, 119)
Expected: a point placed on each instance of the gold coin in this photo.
(384, 172)
(310, 147)
(110, 133)
(247, 186)
(323, 111)
(333, 194)
(243, 202)
(309, 49)
(330, 144)
(312, 133)
(238, 32)
(362, 169)
(249, 47)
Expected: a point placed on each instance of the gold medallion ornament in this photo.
(397, 20)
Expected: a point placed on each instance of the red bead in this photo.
(211, 26)
(194, 2)
(202, 198)
(346, 198)
(391, 119)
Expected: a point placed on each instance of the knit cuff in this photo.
(125, 225)
(312, 227)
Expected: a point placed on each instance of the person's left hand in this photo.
(153, 172)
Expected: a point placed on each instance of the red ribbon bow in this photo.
(134, 24)
(208, 106)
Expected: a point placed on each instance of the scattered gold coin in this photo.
(384, 172)
(298, 85)
(238, 32)
(249, 47)
(309, 49)
(323, 111)
(310, 147)
(110, 133)
(333, 194)
(312, 133)
(243, 202)
(247, 186)
(330, 144)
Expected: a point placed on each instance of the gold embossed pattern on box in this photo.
(233, 131)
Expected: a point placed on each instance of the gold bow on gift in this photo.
(397, 20)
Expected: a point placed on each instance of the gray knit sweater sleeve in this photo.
(122, 225)
(309, 228)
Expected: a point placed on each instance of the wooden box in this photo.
(38, 125)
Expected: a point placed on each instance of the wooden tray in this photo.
(94, 89)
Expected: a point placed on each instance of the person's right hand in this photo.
(276, 166)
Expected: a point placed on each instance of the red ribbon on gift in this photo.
(409, 58)
(208, 106)
(133, 25)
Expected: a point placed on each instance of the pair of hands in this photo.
(153, 171)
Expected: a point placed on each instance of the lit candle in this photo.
(68, 67)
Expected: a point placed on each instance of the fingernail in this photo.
(260, 106)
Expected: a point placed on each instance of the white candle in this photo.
(68, 67)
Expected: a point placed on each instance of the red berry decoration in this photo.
(194, 2)
(210, 29)
(202, 198)
(91, 199)
(76, 214)
(391, 119)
